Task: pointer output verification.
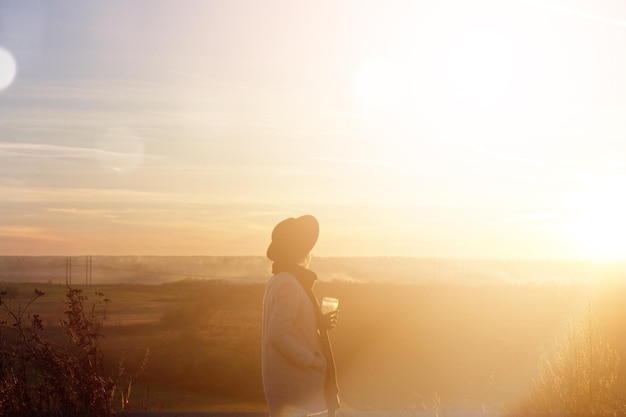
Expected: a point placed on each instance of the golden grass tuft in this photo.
(579, 378)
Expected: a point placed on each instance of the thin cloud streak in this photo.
(19, 193)
(93, 195)
(90, 91)
(44, 150)
(23, 153)
(579, 13)
(90, 213)
(349, 161)
(563, 172)
(31, 233)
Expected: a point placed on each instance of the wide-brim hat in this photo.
(293, 238)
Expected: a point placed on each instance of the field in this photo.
(398, 346)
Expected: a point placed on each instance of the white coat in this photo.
(290, 342)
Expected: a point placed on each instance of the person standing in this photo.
(299, 376)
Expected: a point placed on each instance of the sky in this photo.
(481, 129)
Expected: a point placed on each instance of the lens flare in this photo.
(380, 82)
(8, 69)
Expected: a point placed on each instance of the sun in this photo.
(599, 223)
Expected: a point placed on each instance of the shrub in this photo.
(579, 380)
(39, 376)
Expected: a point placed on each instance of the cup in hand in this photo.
(329, 304)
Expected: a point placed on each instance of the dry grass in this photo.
(580, 377)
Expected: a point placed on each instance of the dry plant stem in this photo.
(580, 379)
(39, 376)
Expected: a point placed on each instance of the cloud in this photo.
(124, 153)
(90, 213)
(59, 221)
(41, 150)
(15, 193)
(30, 233)
(85, 104)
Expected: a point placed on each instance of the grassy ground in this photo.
(398, 347)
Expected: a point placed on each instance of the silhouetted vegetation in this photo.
(38, 375)
(398, 347)
(59, 370)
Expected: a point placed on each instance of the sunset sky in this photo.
(473, 129)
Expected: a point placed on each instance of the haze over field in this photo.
(156, 270)
(478, 129)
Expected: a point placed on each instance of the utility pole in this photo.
(88, 272)
(68, 271)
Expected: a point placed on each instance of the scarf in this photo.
(307, 278)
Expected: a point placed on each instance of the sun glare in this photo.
(481, 64)
(599, 223)
(380, 82)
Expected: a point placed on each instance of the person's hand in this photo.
(329, 320)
